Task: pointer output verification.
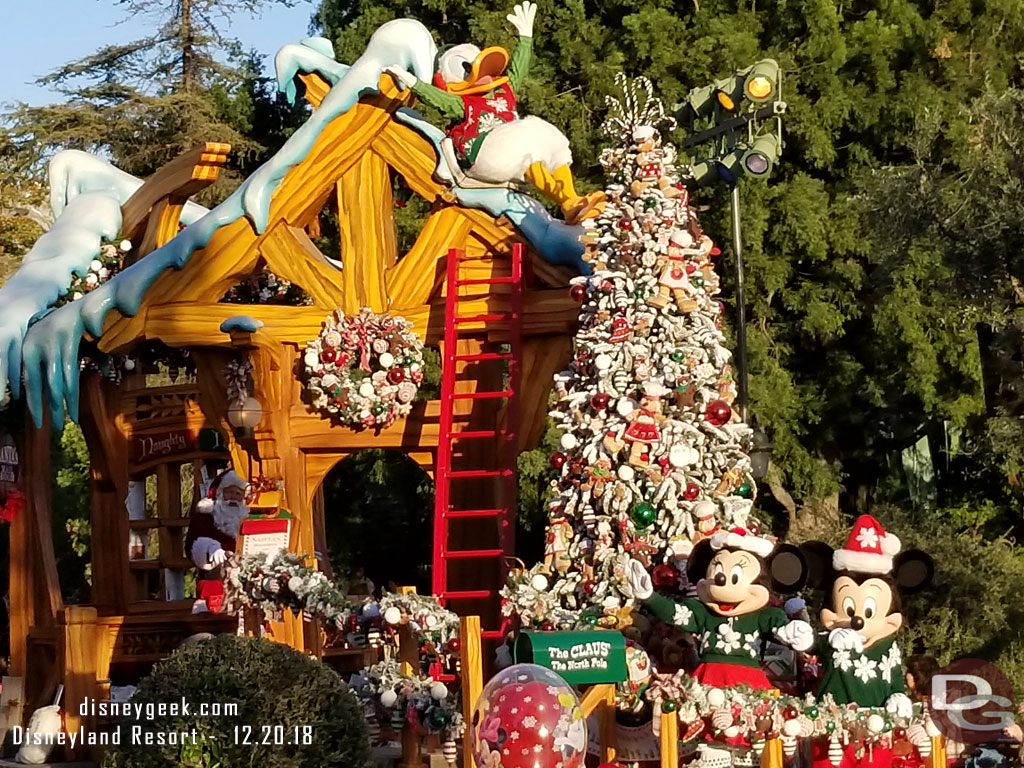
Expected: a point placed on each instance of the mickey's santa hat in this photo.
(868, 549)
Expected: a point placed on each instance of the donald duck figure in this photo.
(476, 90)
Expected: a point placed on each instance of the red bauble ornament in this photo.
(665, 576)
(899, 733)
(718, 413)
(590, 586)
(625, 224)
(396, 376)
(547, 626)
(557, 460)
(328, 355)
(600, 401)
(578, 292)
(691, 492)
(454, 645)
(691, 268)
(791, 713)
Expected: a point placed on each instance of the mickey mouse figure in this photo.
(863, 582)
(735, 572)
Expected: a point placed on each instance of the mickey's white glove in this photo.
(640, 580)
(405, 78)
(899, 705)
(798, 635)
(522, 17)
(218, 557)
(845, 639)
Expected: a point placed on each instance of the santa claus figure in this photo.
(212, 534)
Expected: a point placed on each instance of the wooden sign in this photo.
(8, 461)
(597, 656)
(265, 534)
(162, 444)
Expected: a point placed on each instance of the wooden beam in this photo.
(80, 641)
(472, 676)
(366, 225)
(290, 254)
(415, 278)
(174, 183)
(415, 159)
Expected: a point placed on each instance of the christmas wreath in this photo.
(364, 370)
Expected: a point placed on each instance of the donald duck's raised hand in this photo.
(522, 17)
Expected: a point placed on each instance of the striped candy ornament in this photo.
(449, 751)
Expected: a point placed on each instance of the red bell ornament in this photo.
(718, 413)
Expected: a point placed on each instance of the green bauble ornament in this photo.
(437, 719)
(812, 712)
(745, 490)
(639, 293)
(830, 726)
(678, 356)
(668, 706)
(697, 280)
(643, 514)
(590, 620)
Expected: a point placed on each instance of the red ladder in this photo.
(504, 509)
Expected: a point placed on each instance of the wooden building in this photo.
(159, 437)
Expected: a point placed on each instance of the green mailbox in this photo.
(580, 658)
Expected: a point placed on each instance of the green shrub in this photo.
(272, 686)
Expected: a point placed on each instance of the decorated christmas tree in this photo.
(653, 456)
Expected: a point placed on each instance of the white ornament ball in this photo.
(539, 582)
(129, 364)
(439, 691)
(625, 407)
(95, 265)
(876, 723)
(387, 360)
(626, 473)
(732, 731)
(602, 362)
(388, 698)
(716, 697)
(311, 359)
(430, 621)
(393, 615)
(366, 389)
(568, 441)
(126, 245)
(792, 727)
(295, 584)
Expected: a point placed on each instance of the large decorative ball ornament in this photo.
(876, 723)
(578, 292)
(386, 360)
(664, 576)
(568, 441)
(396, 376)
(557, 460)
(625, 407)
(692, 491)
(791, 728)
(328, 355)
(454, 645)
(602, 362)
(745, 490)
(539, 582)
(439, 691)
(599, 401)
(532, 718)
(811, 712)
(437, 718)
(668, 706)
(716, 698)
(393, 615)
(678, 356)
(590, 620)
(388, 698)
(547, 626)
(625, 473)
(791, 713)
(718, 413)
(899, 733)
(643, 514)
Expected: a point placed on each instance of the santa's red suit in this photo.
(212, 534)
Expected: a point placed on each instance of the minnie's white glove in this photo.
(640, 580)
(899, 705)
(522, 17)
(218, 557)
(403, 76)
(845, 639)
(798, 635)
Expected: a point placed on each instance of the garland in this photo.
(417, 700)
(745, 718)
(284, 581)
(364, 370)
(106, 264)
(264, 287)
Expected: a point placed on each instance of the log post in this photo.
(409, 658)
(669, 739)
(80, 644)
(472, 678)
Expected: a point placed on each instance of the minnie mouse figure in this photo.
(735, 572)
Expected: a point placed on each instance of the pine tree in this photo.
(653, 457)
(146, 101)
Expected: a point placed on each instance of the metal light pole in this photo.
(741, 305)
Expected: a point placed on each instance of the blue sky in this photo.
(40, 35)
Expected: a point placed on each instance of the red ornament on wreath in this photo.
(718, 413)
(528, 717)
